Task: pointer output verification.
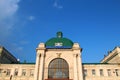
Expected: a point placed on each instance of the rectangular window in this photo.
(109, 72)
(16, 72)
(31, 72)
(0, 72)
(116, 72)
(85, 72)
(101, 72)
(93, 72)
(23, 72)
(8, 72)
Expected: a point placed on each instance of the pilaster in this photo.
(41, 66)
(37, 66)
(80, 71)
(75, 67)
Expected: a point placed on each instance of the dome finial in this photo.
(59, 34)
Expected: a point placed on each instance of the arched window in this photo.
(58, 69)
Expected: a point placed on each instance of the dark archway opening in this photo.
(58, 69)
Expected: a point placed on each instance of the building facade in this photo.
(60, 59)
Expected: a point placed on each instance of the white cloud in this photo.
(8, 9)
(57, 4)
(10, 27)
(19, 49)
(8, 20)
(24, 42)
(31, 18)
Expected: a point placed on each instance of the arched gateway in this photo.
(58, 69)
(58, 59)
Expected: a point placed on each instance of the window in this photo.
(109, 72)
(31, 72)
(16, 72)
(116, 72)
(0, 72)
(85, 72)
(8, 72)
(93, 72)
(23, 72)
(101, 72)
(58, 69)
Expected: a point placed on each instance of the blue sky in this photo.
(94, 24)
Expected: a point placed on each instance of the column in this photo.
(37, 66)
(80, 72)
(75, 67)
(41, 67)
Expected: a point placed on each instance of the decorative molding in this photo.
(58, 55)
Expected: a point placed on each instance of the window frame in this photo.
(16, 72)
(93, 72)
(109, 72)
(31, 72)
(23, 72)
(8, 71)
(101, 72)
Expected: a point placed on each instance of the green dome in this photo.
(59, 42)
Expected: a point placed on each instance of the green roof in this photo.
(59, 42)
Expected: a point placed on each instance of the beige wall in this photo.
(87, 67)
(64, 54)
(97, 68)
(19, 67)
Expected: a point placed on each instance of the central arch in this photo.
(58, 69)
